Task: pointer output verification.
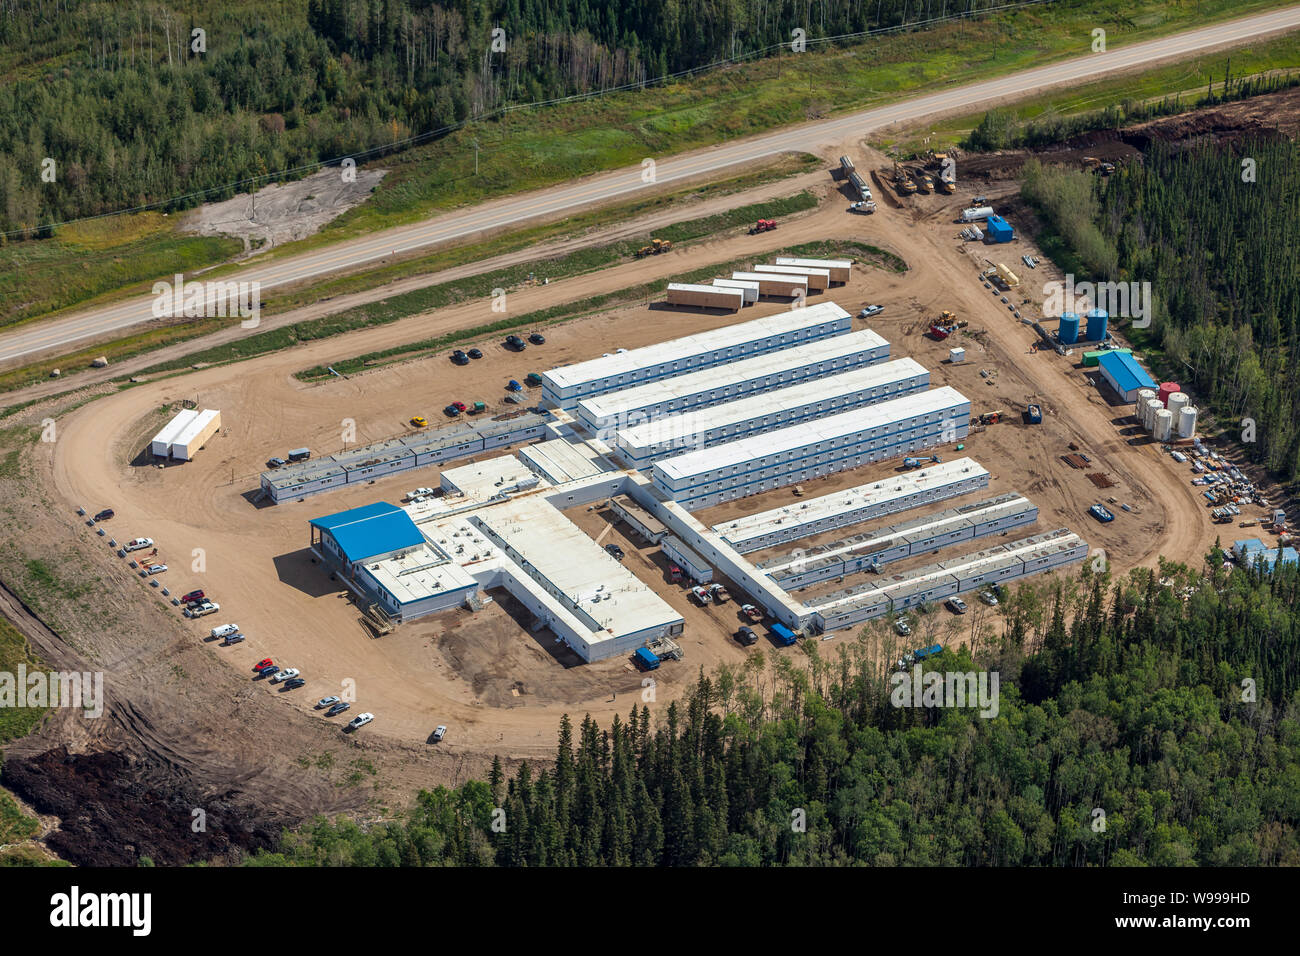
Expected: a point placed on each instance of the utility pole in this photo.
(476, 156)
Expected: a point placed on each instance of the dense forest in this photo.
(1215, 228)
(1125, 737)
(132, 113)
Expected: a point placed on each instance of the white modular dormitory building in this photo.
(710, 476)
(632, 406)
(568, 385)
(663, 437)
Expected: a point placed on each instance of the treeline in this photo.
(1003, 129)
(1160, 727)
(1215, 228)
(134, 108)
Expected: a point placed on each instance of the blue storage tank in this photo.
(1069, 330)
(1097, 319)
(999, 230)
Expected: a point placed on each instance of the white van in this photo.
(225, 629)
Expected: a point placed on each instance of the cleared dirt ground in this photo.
(498, 687)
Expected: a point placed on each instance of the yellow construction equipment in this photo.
(661, 245)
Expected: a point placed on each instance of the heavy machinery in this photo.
(946, 186)
(763, 225)
(923, 181)
(919, 461)
(945, 325)
(991, 418)
(902, 182)
(656, 246)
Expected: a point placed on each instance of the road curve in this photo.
(39, 337)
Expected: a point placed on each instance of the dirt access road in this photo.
(500, 689)
(540, 254)
(590, 191)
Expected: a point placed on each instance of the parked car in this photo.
(268, 671)
(746, 636)
(225, 629)
(275, 462)
(233, 639)
(871, 310)
(104, 515)
(155, 569)
(514, 386)
(135, 544)
(956, 605)
(439, 732)
(264, 662)
(475, 354)
(289, 673)
(515, 344)
(451, 411)
(360, 720)
(192, 596)
(459, 406)
(326, 702)
(202, 608)
(294, 683)
(537, 338)
(459, 357)
(902, 627)
(989, 598)
(615, 552)
(337, 709)
(419, 421)
(702, 595)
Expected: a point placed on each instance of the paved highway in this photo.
(68, 330)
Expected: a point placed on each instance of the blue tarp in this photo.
(371, 530)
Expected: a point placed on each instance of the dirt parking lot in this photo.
(500, 688)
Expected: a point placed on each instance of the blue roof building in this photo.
(1122, 372)
(362, 534)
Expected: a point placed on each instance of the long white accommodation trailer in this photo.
(841, 270)
(632, 406)
(570, 384)
(664, 436)
(872, 549)
(710, 476)
(840, 509)
(161, 444)
(819, 280)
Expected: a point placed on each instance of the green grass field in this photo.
(530, 149)
(1188, 79)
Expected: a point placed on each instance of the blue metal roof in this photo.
(1125, 372)
(364, 532)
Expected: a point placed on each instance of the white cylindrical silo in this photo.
(1164, 425)
(1149, 417)
(1176, 402)
(1187, 422)
(1144, 395)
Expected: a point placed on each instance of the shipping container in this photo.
(819, 280)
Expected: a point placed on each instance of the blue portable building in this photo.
(998, 229)
(646, 658)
